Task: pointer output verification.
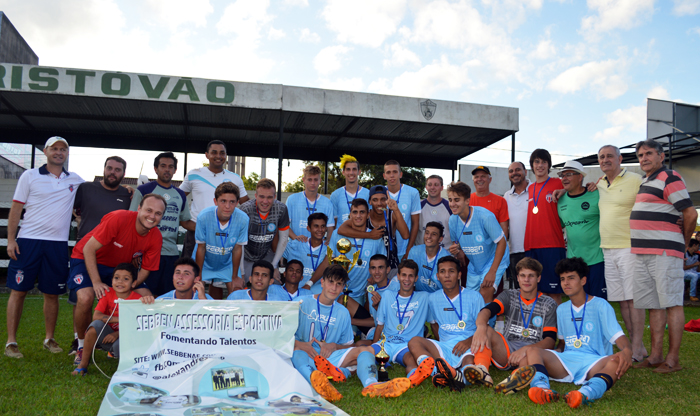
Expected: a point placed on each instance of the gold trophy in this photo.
(344, 246)
(382, 358)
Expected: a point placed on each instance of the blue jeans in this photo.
(693, 277)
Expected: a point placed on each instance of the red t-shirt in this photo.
(121, 243)
(106, 305)
(492, 202)
(543, 230)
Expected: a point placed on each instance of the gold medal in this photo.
(223, 251)
(400, 327)
(370, 289)
(461, 325)
(535, 210)
(578, 343)
(525, 333)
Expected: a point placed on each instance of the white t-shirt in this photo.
(48, 201)
(202, 183)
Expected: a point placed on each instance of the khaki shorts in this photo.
(658, 281)
(620, 264)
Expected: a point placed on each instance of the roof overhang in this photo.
(156, 112)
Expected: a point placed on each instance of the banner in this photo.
(214, 358)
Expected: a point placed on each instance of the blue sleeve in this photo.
(380, 318)
(242, 228)
(452, 225)
(491, 225)
(200, 232)
(608, 320)
(415, 203)
(431, 316)
(208, 297)
(289, 251)
(334, 200)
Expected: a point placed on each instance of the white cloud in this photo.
(695, 30)
(343, 84)
(401, 56)
(330, 59)
(659, 92)
(616, 14)
(364, 22)
(510, 14)
(686, 7)
(563, 128)
(544, 50)
(602, 76)
(438, 76)
(245, 19)
(309, 36)
(298, 3)
(630, 120)
(276, 34)
(170, 13)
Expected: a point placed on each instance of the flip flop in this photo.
(666, 369)
(647, 364)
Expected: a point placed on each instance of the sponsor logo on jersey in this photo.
(473, 250)
(118, 245)
(78, 278)
(19, 277)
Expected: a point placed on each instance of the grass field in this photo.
(41, 384)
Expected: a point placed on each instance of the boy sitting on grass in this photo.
(103, 332)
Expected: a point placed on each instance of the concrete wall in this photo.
(13, 48)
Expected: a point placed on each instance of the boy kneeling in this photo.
(103, 332)
(589, 334)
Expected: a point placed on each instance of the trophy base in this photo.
(382, 376)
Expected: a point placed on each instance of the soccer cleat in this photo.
(440, 381)
(78, 357)
(52, 346)
(12, 351)
(478, 374)
(73, 347)
(424, 370)
(392, 388)
(454, 378)
(331, 371)
(541, 396)
(320, 383)
(517, 380)
(575, 399)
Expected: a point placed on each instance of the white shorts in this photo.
(619, 273)
(445, 349)
(577, 365)
(221, 285)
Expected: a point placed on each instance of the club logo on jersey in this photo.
(537, 321)
(19, 277)
(479, 238)
(166, 197)
(137, 254)
(433, 211)
(78, 279)
(404, 206)
(366, 253)
(589, 326)
(585, 206)
(271, 227)
(549, 197)
(70, 187)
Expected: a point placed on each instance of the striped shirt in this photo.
(653, 223)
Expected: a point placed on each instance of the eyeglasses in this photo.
(568, 174)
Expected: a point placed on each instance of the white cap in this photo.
(53, 140)
(573, 165)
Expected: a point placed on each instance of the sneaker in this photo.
(320, 383)
(478, 374)
(455, 378)
(12, 350)
(517, 380)
(424, 370)
(575, 399)
(73, 347)
(440, 381)
(325, 366)
(78, 357)
(541, 396)
(51, 345)
(392, 388)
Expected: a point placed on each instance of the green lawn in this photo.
(41, 384)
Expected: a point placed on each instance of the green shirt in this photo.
(580, 217)
(175, 212)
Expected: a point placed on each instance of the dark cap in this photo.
(484, 168)
(377, 189)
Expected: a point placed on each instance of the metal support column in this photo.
(33, 156)
(185, 166)
(280, 156)
(512, 148)
(325, 177)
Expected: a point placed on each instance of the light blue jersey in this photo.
(341, 200)
(171, 295)
(280, 292)
(393, 285)
(408, 200)
(332, 324)
(446, 314)
(218, 264)
(600, 327)
(272, 295)
(395, 310)
(310, 257)
(478, 241)
(360, 273)
(300, 208)
(427, 268)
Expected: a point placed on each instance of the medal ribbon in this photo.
(579, 330)
(434, 261)
(465, 223)
(328, 321)
(391, 242)
(311, 254)
(308, 208)
(459, 316)
(346, 194)
(289, 294)
(522, 316)
(221, 237)
(398, 307)
(359, 248)
(534, 189)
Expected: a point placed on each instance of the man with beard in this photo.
(176, 214)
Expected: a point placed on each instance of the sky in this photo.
(579, 72)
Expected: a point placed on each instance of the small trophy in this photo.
(344, 246)
(382, 358)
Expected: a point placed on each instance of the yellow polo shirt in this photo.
(616, 202)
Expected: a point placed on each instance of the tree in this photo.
(371, 175)
(251, 182)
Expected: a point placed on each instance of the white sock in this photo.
(80, 343)
(75, 335)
